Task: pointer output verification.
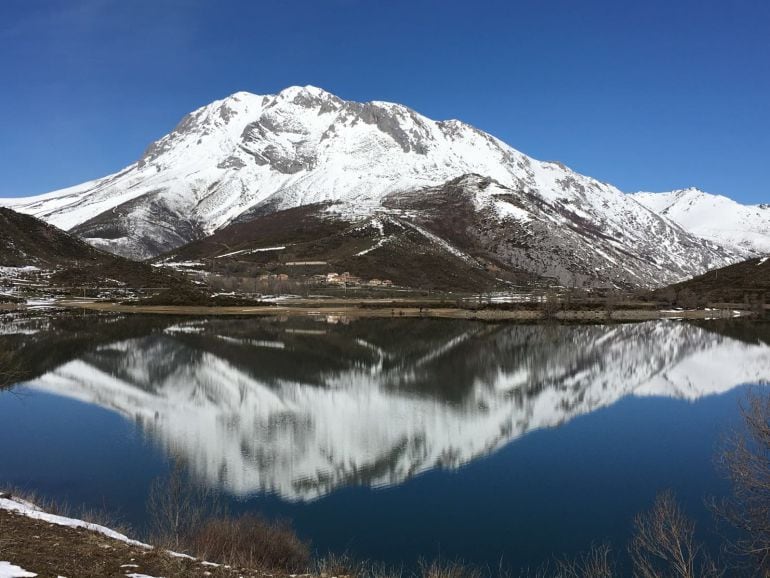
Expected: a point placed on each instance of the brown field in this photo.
(398, 308)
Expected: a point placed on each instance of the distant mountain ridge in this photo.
(250, 155)
(743, 228)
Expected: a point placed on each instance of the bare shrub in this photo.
(551, 304)
(249, 541)
(176, 507)
(687, 299)
(664, 543)
(745, 460)
(597, 562)
(442, 569)
(611, 301)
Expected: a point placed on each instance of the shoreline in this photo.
(37, 543)
(388, 309)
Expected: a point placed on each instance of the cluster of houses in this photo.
(345, 279)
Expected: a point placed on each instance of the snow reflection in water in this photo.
(298, 409)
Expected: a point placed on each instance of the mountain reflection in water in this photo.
(301, 407)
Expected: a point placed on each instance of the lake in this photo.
(391, 439)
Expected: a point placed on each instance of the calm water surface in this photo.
(389, 439)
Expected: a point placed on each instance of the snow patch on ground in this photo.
(14, 271)
(31, 511)
(8, 570)
(442, 243)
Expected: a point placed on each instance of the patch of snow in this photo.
(27, 509)
(380, 242)
(444, 244)
(179, 555)
(254, 342)
(8, 570)
(41, 303)
(189, 327)
(13, 271)
(281, 248)
(180, 264)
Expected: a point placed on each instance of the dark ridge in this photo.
(745, 282)
(26, 240)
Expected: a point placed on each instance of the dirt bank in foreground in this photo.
(52, 546)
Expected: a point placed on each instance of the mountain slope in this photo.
(315, 239)
(470, 233)
(743, 228)
(747, 281)
(26, 241)
(248, 155)
(556, 238)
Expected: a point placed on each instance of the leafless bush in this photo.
(551, 304)
(189, 518)
(442, 569)
(176, 507)
(611, 301)
(664, 543)
(249, 541)
(687, 298)
(596, 562)
(745, 460)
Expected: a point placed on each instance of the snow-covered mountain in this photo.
(301, 412)
(744, 228)
(249, 154)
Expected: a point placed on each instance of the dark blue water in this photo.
(391, 440)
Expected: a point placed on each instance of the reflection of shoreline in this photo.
(323, 411)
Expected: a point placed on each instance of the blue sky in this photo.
(648, 95)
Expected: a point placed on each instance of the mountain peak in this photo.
(307, 90)
(690, 190)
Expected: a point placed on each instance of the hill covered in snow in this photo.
(743, 228)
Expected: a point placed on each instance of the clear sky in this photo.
(648, 95)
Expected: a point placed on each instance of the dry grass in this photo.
(50, 550)
(187, 517)
(101, 516)
(249, 541)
